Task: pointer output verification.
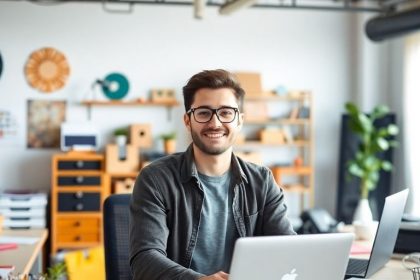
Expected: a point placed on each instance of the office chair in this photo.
(116, 241)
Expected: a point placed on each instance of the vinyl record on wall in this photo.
(115, 86)
(47, 70)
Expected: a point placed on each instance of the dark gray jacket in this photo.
(165, 213)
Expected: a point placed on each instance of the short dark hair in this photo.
(213, 79)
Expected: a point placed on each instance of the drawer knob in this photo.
(79, 163)
(79, 179)
(77, 238)
(79, 206)
(78, 194)
(77, 224)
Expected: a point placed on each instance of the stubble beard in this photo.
(214, 151)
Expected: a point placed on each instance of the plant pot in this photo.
(169, 146)
(121, 140)
(363, 213)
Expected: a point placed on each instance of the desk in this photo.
(27, 258)
(393, 270)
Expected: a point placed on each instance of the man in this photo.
(188, 209)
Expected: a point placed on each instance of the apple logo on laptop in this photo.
(290, 276)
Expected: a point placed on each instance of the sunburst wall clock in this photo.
(47, 70)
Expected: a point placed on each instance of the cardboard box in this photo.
(124, 186)
(250, 82)
(272, 136)
(163, 95)
(141, 135)
(115, 164)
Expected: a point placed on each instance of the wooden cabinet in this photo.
(79, 187)
(283, 126)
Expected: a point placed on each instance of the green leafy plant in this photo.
(121, 131)
(168, 136)
(367, 163)
(56, 272)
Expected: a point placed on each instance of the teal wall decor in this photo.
(115, 86)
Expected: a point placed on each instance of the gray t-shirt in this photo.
(217, 232)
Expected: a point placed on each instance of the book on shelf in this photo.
(304, 112)
(288, 135)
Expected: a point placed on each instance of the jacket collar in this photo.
(189, 169)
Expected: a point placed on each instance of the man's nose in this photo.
(214, 121)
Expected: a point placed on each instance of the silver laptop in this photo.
(301, 257)
(385, 238)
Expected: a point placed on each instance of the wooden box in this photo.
(272, 136)
(124, 186)
(250, 82)
(116, 165)
(163, 95)
(141, 135)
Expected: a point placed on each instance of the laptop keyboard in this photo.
(356, 266)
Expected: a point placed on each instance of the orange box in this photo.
(163, 95)
(141, 135)
(250, 82)
(124, 186)
(272, 136)
(114, 164)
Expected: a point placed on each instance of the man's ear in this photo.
(187, 121)
(240, 120)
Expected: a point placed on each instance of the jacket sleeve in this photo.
(275, 220)
(149, 232)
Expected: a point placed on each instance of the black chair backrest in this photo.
(116, 241)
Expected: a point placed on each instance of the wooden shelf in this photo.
(297, 188)
(123, 175)
(297, 143)
(275, 97)
(133, 103)
(285, 121)
(128, 103)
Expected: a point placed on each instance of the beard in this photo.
(207, 149)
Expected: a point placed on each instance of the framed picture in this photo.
(44, 121)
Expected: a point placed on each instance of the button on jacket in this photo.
(165, 213)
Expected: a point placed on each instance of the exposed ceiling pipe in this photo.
(393, 25)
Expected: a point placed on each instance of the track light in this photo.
(385, 27)
(233, 6)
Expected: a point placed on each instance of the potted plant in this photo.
(56, 272)
(121, 135)
(366, 163)
(169, 142)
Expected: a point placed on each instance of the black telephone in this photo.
(317, 220)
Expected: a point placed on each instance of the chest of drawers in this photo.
(79, 187)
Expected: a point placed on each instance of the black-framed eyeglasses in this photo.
(205, 114)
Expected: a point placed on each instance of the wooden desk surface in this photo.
(24, 256)
(393, 270)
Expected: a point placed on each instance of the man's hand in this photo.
(217, 276)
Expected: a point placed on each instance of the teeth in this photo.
(214, 135)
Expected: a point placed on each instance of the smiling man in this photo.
(188, 209)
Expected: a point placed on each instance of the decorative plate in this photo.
(47, 70)
(115, 86)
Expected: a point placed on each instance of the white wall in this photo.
(162, 46)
